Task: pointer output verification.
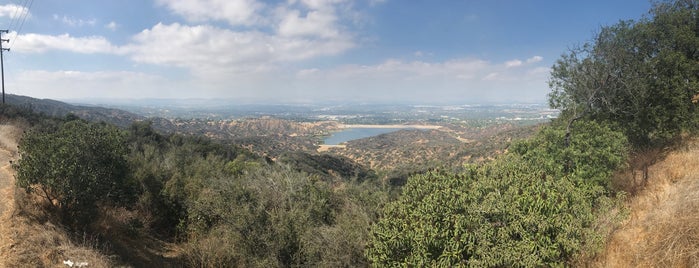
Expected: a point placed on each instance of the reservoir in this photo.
(349, 134)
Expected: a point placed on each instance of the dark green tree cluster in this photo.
(641, 75)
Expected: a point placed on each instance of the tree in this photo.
(640, 75)
(75, 167)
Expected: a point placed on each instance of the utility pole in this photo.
(2, 64)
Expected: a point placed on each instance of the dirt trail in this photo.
(8, 152)
(663, 228)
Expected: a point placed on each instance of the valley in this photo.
(392, 140)
(394, 144)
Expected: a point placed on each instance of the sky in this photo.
(296, 51)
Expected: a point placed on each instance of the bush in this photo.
(595, 151)
(536, 206)
(75, 167)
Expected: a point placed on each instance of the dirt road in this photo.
(8, 151)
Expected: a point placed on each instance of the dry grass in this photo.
(36, 242)
(663, 229)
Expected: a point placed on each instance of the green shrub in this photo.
(75, 167)
(536, 206)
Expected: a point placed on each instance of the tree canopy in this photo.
(641, 75)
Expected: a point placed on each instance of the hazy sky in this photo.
(422, 51)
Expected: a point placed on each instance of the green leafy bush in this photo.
(535, 206)
(75, 167)
(595, 150)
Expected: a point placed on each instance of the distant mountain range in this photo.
(59, 109)
(113, 116)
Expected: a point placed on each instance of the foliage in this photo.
(76, 166)
(161, 164)
(594, 152)
(326, 166)
(276, 217)
(536, 206)
(205, 193)
(640, 75)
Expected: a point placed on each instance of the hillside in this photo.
(399, 154)
(663, 227)
(59, 109)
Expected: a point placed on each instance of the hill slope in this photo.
(663, 229)
(59, 109)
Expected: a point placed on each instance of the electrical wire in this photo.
(14, 19)
(21, 25)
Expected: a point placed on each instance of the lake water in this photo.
(349, 134)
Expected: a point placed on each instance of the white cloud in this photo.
(13, 11)
(235, 12)
(197, 46)
(39, 43)
(73, 22)
(111, 25)
(491, 76)
(535, 59)
(518, 63)
(513, 63)
(314, 23)
(292, 30)
(210, 49)
(319, 4)
(202, 49)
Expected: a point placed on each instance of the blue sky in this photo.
(297, 51)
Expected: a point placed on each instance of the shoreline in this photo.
(326, 147)
(344, 126)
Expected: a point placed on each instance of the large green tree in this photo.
(640, 75)
(74, 167)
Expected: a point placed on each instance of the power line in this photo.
(26, 14)
(17, 13)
